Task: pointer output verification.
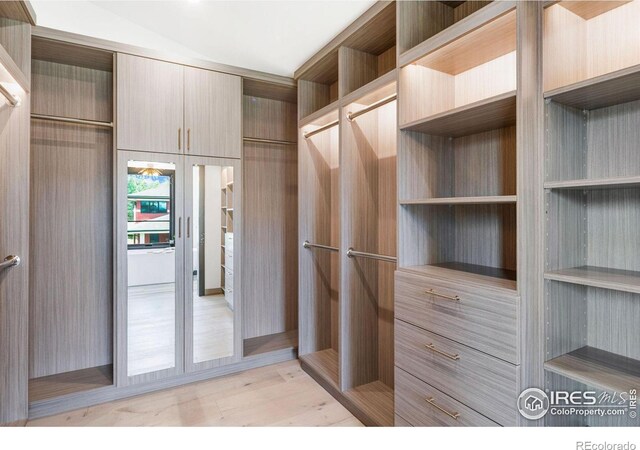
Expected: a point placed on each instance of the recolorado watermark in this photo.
(534, 404)
(588, 445)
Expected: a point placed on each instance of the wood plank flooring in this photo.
(277, 395)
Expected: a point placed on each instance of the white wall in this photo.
(213, 221)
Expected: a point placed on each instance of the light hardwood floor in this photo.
(277, 395)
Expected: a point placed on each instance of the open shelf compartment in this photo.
(318, 86)
(579, 38)
(473, 67)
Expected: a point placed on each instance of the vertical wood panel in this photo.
(150, 105)
(212, 113)
(14, 240)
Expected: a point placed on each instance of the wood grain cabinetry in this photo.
(150, 105)
(212, 113)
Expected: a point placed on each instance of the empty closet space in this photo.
(592, 194)
(458, 159)
(319, 238)
(71, 220)
(270, 165)
(318, 86)
(423, 20)
(369, 53)
(368, 223)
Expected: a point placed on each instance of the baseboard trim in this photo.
(103, 395)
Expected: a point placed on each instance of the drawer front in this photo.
(485, 321)
(482, 382)
(400, 422)
(424, 406)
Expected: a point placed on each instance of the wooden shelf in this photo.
(484, 200)
(596, 183)
(600, 277)
(324, 364)
(590, 9)
(489, 277)
(621, 86)
(488, 114)
(61, 384)
(598, 368)
(270, 343)
(375, 400)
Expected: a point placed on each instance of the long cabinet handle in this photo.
(179, 227)
(179, 138)
(431, 401)
(453, 298)
(10, 261)
(188, 139)
(189, 226)
(433, 348)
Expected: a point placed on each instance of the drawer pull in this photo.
(454, 415)
(433, 348)
(453, 298)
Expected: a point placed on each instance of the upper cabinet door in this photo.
(213, 113)
(150, 105)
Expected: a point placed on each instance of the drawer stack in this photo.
(456, 353)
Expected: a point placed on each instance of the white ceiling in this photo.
(270, 36)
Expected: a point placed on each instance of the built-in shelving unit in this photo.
(592, 194)
(457, 120)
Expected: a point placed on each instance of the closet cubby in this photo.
(588, 342)
(368, 173)
(319, 224)
(472, 75)
(422, 20)
(369, 53)
(318, 86)
(270, 275)
(586, 40)
(71, 213)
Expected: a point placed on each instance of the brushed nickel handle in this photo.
(10, 261)
(454, 415)
(179, 227)
(189, 226)
(433, 348)
(453, 298)
(188, 139)
(179, 138)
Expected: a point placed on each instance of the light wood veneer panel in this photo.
(150, 105)
(212, 113)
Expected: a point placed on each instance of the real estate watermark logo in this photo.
(534, 403)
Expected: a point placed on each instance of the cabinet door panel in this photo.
(150, 105)
(213, 113)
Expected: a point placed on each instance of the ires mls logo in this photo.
(534, 403)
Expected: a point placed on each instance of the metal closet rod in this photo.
(321, 129)
(12, 99)
(94, 123)
(307, 244)
(351, 253)
(269, 141)
(371, 107)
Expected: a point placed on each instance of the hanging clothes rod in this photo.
(321, 129)
(307, 244)
(269, 141)
(371, 107)
(94, 123)
(351, 253)
(12, 99)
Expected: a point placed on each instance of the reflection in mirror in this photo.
(151, 261)
(212, 262)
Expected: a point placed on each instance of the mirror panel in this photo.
(212, 262)
(151, 263)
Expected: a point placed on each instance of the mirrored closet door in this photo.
(150, 266)
(212, 207)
